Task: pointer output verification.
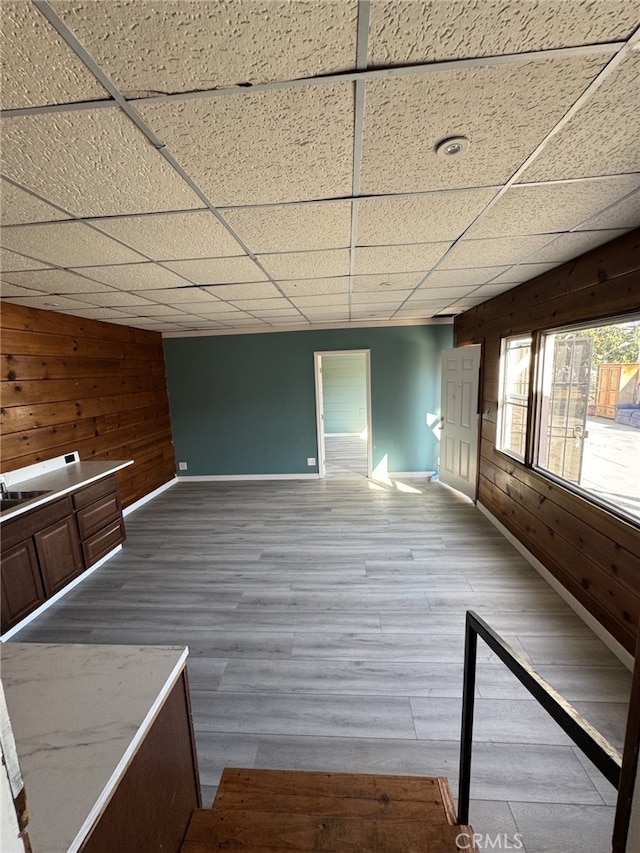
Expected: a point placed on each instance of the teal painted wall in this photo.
(344, 393)
(245, 404)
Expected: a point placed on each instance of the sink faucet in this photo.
(3, 488)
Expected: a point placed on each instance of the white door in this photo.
(459, 433)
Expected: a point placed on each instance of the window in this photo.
(514, 396)
(588, 430)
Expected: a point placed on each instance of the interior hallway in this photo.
(325, 623)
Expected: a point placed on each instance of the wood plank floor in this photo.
(325, 622)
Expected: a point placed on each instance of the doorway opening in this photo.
(343, 413)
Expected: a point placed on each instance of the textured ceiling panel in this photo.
(405, 31)
(398, 281)
(462, 277)
(49, 302)
(316, 286)
(37, 66)
(218, 270)
(419, 218)
(179, 46)
(55, 281)
(249, 290)
(291, 227)
(134, 276)
(20, 207)
(487, 253)
(107, 314)
(380, 297)
(505, 111)
(551, 208)
(415, 257)
(294, 265)
(175, 295)
(256, 306)
(335, 300)
(428, 292)
(171, 236)
(606, 118)
(571, 245)
(7, 290)
(92, 163)
(116, 298)
(9, 261)
(67, 244)
(520, 273)
(298, 143)
(623, 214)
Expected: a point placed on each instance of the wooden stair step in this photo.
(264, 811)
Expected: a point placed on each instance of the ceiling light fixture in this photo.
(452, 145)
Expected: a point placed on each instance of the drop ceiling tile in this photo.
(10, 261)
(20, 207)
(49, 302)
(184, 46)
(106, 314)
(257, 305)
(55, 281)
(293, 227)
(408, 32)
(382, 312)
(67, 244)
(315, 286)
(394, 281)
(167, 312)
(389, 259)
(298, 142)
(622, 214)
(462, 277)
(330, 301)
(419, 218)
(172, 236)
(248, 290)
(380, 297)
(92, 163)
(571, 245)
(551, 208)
(448, 293)
(610, 117)
(7, 290)
(142, 276)
(498, 252)
(117, 299)
(219, 270)
(295, 265)
(173, 295)
(521, 272)
(400, 134)
(276, 313)
(488, 291)
(37, 66)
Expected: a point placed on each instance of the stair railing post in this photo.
(466, 737)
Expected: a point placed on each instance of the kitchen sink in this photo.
(14, 498)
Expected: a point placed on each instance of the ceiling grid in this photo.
(235, 166)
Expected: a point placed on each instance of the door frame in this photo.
(318, 355)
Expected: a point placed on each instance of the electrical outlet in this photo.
(182, 466)
(311, 460)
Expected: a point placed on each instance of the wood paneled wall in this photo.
(75, 384)
(592, 552)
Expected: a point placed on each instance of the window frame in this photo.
(527, 339)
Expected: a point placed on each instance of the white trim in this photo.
(340, 434)
(306, 327)
(62, 592)
(612, 644)
(206, 478)
(416, 475)
(146, 498)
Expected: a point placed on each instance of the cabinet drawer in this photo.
(96, 490)
(97, 515)
(18, 529)
(106, 540)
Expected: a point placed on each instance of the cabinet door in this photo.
(22, 589)
(59, 552)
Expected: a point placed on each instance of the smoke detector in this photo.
(452, 146)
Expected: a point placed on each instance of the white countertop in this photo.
(59, 482)
(78, 714)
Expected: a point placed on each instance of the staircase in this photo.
(285, 811)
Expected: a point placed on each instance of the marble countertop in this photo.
(78, 714)
(59, 482)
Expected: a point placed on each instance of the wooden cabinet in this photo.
(46, 548)
(22, 589)
(99, 517)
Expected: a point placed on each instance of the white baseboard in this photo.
(146, 498)
(60, 594)
(216, 478)
(618, 650)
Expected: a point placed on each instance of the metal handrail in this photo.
(604, 756)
